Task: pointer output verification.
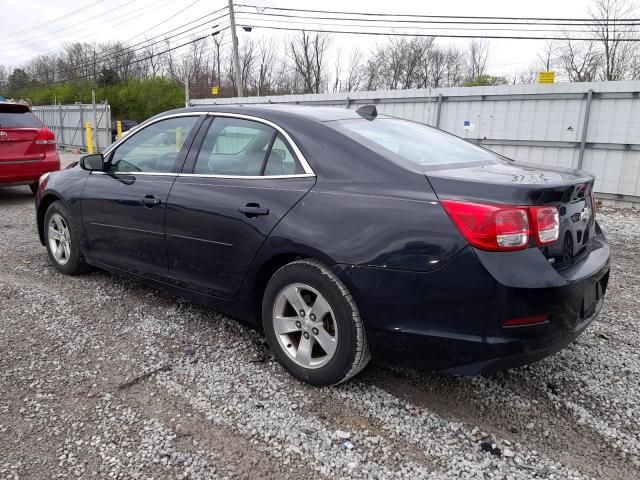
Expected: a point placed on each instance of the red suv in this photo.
(27, 147)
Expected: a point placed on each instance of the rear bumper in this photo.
(452, 319)
(20, 172)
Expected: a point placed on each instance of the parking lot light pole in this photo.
(236, 55)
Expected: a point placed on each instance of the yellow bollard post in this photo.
(87, 127)
(178, 139)
(119, 129)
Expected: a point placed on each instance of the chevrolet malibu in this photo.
(342, 234)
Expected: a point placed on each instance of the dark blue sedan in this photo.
(343, 234)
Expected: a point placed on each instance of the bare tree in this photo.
(617, 54)
(308, 53)
(579, 60)
(355, 72)
(478, 57)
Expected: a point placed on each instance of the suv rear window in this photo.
(419, 144)
(19, 120)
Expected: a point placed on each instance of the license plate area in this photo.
(592, 294)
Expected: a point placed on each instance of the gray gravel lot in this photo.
(72, 348)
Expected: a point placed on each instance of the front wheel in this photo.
(62, 241)
(313, 325)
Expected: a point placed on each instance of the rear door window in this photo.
(281, 160)
(235, 147)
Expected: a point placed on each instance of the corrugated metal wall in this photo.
(541, 124)
(68, 123)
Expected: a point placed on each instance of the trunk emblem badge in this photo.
(3, 134)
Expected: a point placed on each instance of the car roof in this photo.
(275, 111)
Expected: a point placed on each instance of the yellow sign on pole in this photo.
(547, 77)
(214, 90)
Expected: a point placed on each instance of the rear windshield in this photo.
(19, 120)
(419, 144)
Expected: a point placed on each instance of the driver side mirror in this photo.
(93, 162)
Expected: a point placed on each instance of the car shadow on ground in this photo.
(15, 195)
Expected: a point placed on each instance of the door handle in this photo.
(252, 210)
(150, 201)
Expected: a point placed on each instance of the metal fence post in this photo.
(61, 127)
(585, 126)
(439, 110)
(84, 142)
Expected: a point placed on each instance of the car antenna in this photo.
(367, 111)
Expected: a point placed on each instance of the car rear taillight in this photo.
(547, 223)
(46, 137)
(490, 227)
(503, 227)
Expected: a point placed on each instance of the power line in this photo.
(484, 29)
(433, 16)
(94, 62)
(116, 49)
(144, 44)
(52, 21)
(81, 77)
(396, 34)
(453, 22)
(19, 44)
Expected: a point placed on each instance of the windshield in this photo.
(422, 145)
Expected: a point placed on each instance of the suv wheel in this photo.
(313, 325)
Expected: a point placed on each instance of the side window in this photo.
(281, 160)
(234, 146)
(154, 148)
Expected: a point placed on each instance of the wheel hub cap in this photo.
(305, 325)
(59, 239)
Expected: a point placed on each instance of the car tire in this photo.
(34, 188)
(62, 241)
(322, 350)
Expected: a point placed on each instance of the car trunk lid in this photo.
(508, 183)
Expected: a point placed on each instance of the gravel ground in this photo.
(75, 401)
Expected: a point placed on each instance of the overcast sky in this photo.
(23, 36)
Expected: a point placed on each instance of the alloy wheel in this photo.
(305, 325)
(59, 239)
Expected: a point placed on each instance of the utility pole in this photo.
(186, 91)
(236, 55)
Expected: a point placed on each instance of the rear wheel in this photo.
(313, 325)
(62, 241)
(34, 188)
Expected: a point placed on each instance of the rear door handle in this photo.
(150, 201)
(252, 210)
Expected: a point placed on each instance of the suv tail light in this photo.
(46, 137)
(503, 227)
